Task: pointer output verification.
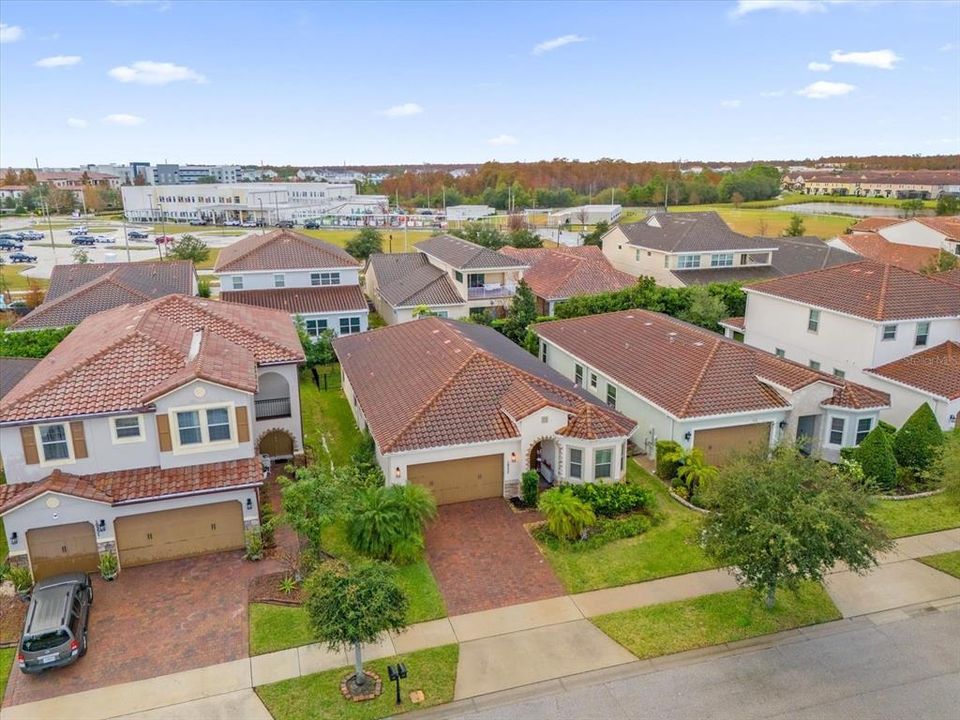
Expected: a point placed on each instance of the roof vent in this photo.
(698, 344)
(194, 345)
(630, 317)
(647, 323)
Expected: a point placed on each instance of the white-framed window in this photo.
(602, 462)
(189, 430)
(315, 327)
(279, 280)
(612, 395)
(325, 278)
(637, 254)
(54, 442)
(840, 374)
(837, 426)
(889, 332)
(578, 375)
(864, 426)
(349, 326)
(202, 427)
(441, 313)
(687, 262)
(813, 321)
(923, 334)
(721, 260)
(236, 282)
(780, 352)
(814, 364)
(218, 424)
(127, 429)
(575, 463)
(593, 380)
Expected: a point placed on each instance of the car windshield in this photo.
(45, 642)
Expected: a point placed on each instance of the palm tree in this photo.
(693, 470)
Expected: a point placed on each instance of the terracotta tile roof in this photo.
(408, 280)
(867, 289)
(445, 388)
(734, 322)
(858, 397)
(935, 371)
(874, 246)
(686, 370)
(561, 273)
(872, 224)
(281, 250)
(301, 301)
(13, 370)
(948, 226)
(465, 255)
(137, 485)
(115, 360)
(689, 232)
(78, 293)
(591, 424)
(950, 276)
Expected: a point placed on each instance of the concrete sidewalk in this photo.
(507, 647)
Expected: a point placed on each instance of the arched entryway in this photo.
(543, 459)
(276, 444)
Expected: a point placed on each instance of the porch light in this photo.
(101, 526)
(249, 503)
(687, 435)
(783, 424)
(513, 457)
(13, 538)
(396, 473)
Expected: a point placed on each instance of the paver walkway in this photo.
(483, 558)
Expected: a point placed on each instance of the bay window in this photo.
(575, 463)
(602, 463)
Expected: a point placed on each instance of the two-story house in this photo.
(683, 383)
(911, 244)
(847, 319)
(696, 248)
(305, 277)
(142, 433)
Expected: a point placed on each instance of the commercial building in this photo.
(585, 215)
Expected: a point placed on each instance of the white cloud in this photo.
(948, 47)
(503, 139)
(730, 103)
(404, 110)
(773, 93)
(148, 72)
(819, 66)
(559, 42)
(745, 7)
(10, 33)
(124, 119)
(76, 123)
(883, 59)
(822, 89)
(58, 61)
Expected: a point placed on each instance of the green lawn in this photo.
(277, 627)
(946, 562)
(913, 517)
(210, 261)
(714, 619)
(669, 548)
(340, 237)
(318, 697)
(6, 666)
(11, 279)
(760, 221)
(330, 431)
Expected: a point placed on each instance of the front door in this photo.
(807, 432)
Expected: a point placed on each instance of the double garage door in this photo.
(141, 539)
(718, 443)
(453, 481)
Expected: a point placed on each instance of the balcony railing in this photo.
(272, 408)
(491, 291)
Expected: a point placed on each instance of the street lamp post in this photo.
(262, 221)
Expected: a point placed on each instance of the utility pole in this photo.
(46, 210)
(123, 220)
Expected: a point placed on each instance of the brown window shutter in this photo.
(29, 440)
(243, 425)
(79, 439)
(163, 432)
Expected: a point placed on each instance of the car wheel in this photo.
(83, 646)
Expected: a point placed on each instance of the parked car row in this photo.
(8, 243)
(21, 257)
(22, 235)
(137, 235)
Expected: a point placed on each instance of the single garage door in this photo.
(61, 549)
(170, 534)
(718, 443)
(454, 481)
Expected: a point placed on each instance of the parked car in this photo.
(55, 630)
(199, 221)
(21, 257)
(285, 224)
(137, 235)
(249, 224)
(29, 235)
(82, 240)
(231, 223)
(103, 239)
(79, 230)
(311, 225)
(8, 244)
(8, 236)
(164, 239)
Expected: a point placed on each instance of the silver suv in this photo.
(55, 631)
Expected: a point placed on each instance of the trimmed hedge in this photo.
(612, 499)
(530, 487)
(875, 455)
(667, 469)
(915, 444)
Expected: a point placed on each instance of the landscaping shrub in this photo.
(567, 516)
(268, 522)
(876, 458)
(916, 443)
(667, 469)
(887, 427)
(387, 523)
(605, 531)
(530, 487)
(611, 499)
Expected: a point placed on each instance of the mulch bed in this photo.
(12, 612)
(266, 589)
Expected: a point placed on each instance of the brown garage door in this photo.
(170, 534)
(718, 443)
(454, 481)
(62, 548)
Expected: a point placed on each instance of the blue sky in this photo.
(366, 83)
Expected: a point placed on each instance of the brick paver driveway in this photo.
(483, 558)
(154, 620)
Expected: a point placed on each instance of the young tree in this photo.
(352, 606)
(318, 350)
(482, 234)
(876, 458)
(595, 236)
(80, 256)
(189, 247)
(911, 207)
(312, 501)
(705, 309)
(795, 228)
(737, 199)
(918, 440)
(524, 238)
(785, 518)
(948, 205)
(365, 243)
(9, 177)
(522, 312)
